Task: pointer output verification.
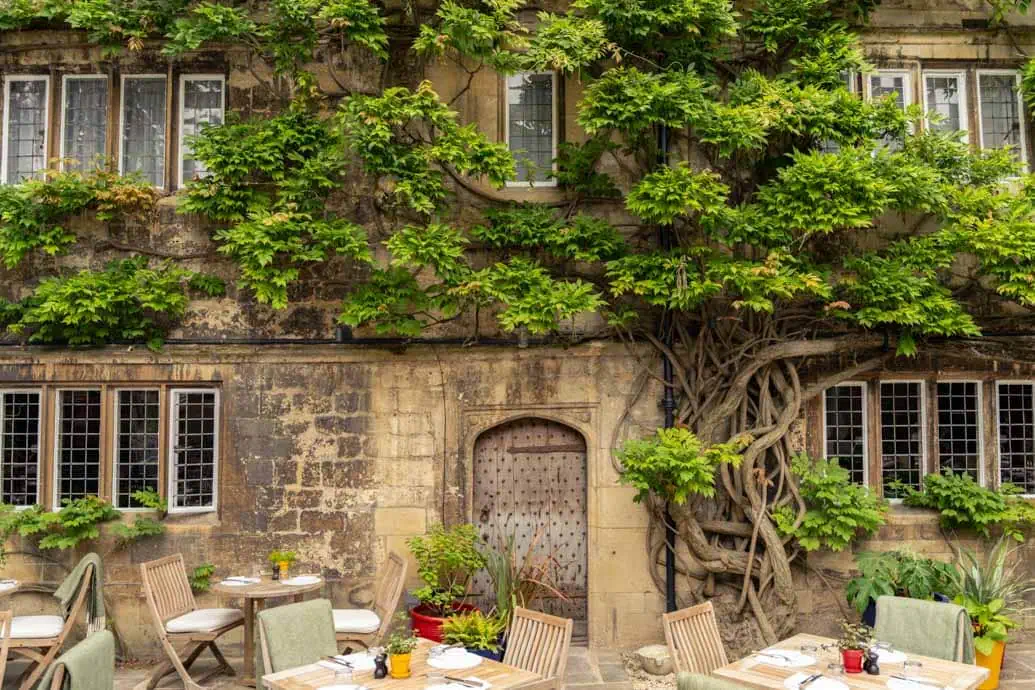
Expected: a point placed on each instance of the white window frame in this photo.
(64, 105)
(184, 78)
(115, 444)
(556, 115)
(907, 83)
(39, 436)
(998, 446)
(170, 458)
(55, 478)
(924, 427)
(8, 79)
(961, 80)
(1022, 112)
(122, 120)
(979, 385)
(865, 425)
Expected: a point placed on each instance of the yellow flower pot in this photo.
(284, 565)
(399, 665)
(993, 662)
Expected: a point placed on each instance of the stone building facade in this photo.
(342, 450)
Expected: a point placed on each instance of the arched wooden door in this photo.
(530, 483)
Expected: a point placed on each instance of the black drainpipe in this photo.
(668, 400)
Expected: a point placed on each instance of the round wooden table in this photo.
(254, 595)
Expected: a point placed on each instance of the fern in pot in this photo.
(479, 634)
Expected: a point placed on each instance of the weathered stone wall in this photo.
(341, 453)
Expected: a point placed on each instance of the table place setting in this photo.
(6, 585)
(359, 662)
(453, 658)
(786, 658)
(443, 682)
(813, 681)
(899, 682)
(240, 581)
(298, 580)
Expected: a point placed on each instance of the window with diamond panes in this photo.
(194, 449)
(959, 428)
(20, 447)
(1000, 112)
(845, 428)
(84, 122)
(530, 124)
(901, 431)
(25, 128)
(78, 444)
(1017, 436)
(138, 428)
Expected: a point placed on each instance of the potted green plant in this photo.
(447, 559)
(896, 573)
(478, 633)
(855, 639)
(521, 578)
(399, 647)
(282, 561)
(992, 591)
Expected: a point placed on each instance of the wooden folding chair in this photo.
(170, 599)
(358, 625)
(692, 636)
(538, 642)
(5, 632)
(42, 650)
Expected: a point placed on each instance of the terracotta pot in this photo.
(852, 660)
(399, 665)
(429, 626)
(994, 663)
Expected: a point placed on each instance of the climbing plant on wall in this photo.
(748, 231)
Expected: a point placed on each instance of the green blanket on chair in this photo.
(67, 590)
(296, 635)
(90, 665)
(927, 628)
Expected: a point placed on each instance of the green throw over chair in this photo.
(927, 628)
(90, 665)
(699, 681)
(295, 635)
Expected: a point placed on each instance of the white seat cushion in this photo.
(36, 627)
(359, 621)
(203, 620)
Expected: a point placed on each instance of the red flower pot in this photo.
(852, 660)
(429, 626)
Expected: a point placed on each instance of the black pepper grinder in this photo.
(870, 665)
(381, 665)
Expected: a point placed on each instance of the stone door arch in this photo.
(530, 483)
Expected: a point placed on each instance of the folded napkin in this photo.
(890, 656)
(823, 683)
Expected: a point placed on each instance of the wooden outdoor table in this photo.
(314, 676)
(766, 677)
(254, 597)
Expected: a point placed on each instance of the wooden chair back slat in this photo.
(5, 629)
(389, 591)
(167, 589)
(539, 643)
(693, 639)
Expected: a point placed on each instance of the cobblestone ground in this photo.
(588, 669)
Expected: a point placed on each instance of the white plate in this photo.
(890, 656)
(8, 585)
(361, 661)
(899, 684)
(823, 683)
(449, 662)
(302, 580)
(786, 658)
(241, 581)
